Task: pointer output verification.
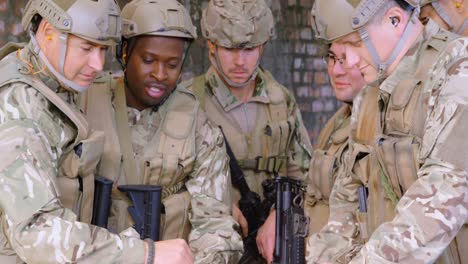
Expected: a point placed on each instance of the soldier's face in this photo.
(84, 60)
(346, 82)
(238, 64)
(153, 69)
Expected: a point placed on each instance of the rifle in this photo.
(291, 224)
(146, 208)
(102, 201)
(254, 210)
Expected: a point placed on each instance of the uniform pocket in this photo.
(175, 221)
(322, 170)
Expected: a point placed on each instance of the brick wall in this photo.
(294, 57)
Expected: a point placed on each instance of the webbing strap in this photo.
(199, 89)
(123, 130)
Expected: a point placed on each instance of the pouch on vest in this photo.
(175, 222)
(322, 170)
(398, 158)
(76, 175)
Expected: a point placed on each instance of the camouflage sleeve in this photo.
(35, 226)
(300, 150)
(339, 239)
(432, 211)
(213, 238)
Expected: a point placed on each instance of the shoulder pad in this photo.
(276, 91)
(10, 47)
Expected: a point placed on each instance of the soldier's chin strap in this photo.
(382, 66)
(64, 82)
(217, 65)
(441, 12)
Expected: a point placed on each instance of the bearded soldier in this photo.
(259, 117)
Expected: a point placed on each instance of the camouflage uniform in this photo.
(326, 159)
(266, 133)
(416, 174)
(201, 215)
(173, 145)
(37, 141)
(254, 134)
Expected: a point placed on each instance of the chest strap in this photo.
(123, 131)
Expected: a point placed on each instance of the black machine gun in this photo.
(146, 208)
(291, 223)
(252, 207)
(102, 201)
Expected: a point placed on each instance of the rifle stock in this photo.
(146, 208)
(102, 201)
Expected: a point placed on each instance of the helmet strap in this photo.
(63, 52)
(382, 67)
(441, 12)
(217, 65)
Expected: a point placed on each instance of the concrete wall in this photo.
(294, 57)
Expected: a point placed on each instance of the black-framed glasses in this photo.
(330, 59)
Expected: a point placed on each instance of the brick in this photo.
(300, 48)
(329, 105)
(298, 63)
(308, 78)
(326, 91)
(3, 6)
(317, 106)
(302, 91)
(291, 3)
(297, 77)
(320, 78)
(16, 29)
(306, 34)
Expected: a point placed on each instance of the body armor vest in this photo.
(396, 144)
(326, 159)
(165, 161)
(261, 153)
(77, 164)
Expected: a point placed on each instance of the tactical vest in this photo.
(326, 159)
(168, 157)
(76, 166)
(263, 152)
(395, 148)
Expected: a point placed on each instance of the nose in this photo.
(339, 68)
(352, 58)
(97, 59)
(159, 72)
(239, 57)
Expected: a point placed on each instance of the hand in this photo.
(174, 251)
(239, 217)
(266, 237)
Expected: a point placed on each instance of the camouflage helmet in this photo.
(332, 19)
(95, 20)
(157, 17)
(237, 23)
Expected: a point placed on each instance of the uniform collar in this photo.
(224, 96)
(409, 62)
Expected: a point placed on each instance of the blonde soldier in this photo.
(333, 139)
(158, 135)
(258, 115)
(415, 163)
(449, 14)
(49, 154)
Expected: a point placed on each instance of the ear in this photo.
(211, 47)
(261, 49)
(46, 35)
(397, 19)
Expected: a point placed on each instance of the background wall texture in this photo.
(293, 57)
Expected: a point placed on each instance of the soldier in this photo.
(158, 135)
(414, 163)
(451, 15)
(333, 139)
(49, 153)
(259, 116)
